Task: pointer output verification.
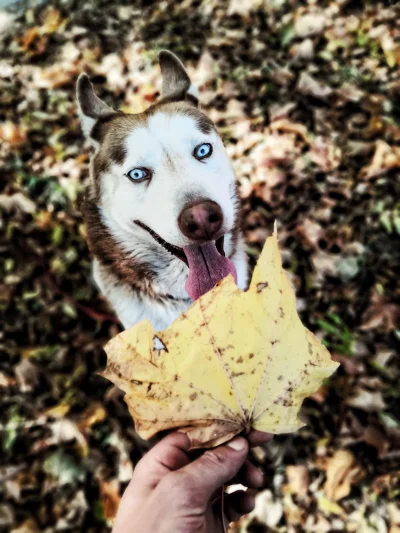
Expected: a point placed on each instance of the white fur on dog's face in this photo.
(164, 144)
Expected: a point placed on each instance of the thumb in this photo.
(215, 468)
(166, 456)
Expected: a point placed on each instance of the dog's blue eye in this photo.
(138, 174)
(202, 151)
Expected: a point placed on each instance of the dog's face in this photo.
(162, 175)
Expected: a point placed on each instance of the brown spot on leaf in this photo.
(251, 355)
(237, 374)
(193, 396)
(261, 286)
(281, 312)
(239, 360)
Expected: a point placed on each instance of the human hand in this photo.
(170, 492)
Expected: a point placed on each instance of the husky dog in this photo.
(161, 207)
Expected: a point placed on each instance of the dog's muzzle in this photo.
(202, 224)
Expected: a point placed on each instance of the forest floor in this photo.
(306, 96)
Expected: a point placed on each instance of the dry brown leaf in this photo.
(381, 315)
(275, 149)
(13, 134)
(310, 231)
(391, 49)
(376, 438)
(310, 24)
(6, 381)
(267, 179)
(325, 155)
(367, 400)
(311, 87)
(394, 513)
(268, 510)
(52, 21)
(56, 76)
(384, 159)
(110, 497)
(17, 202)
(243, 7)
(93, 414)
(278, 111)
(205, 71)
(303, 50)
(28, 526)
(341, 472)
(234, 361)
(284, 124)
(386, 482)
(33, 41)
(297, 480)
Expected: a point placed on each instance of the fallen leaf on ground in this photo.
(310, 24)
(17, 202)
(311, 232)
(110, 497)
(268, 510)
(380, 315)
(13, 134)
(311, 87)
(283, 124)
(234, 361)
(341, 472)
(385, 158)
(325, 155)
(367, 400)
(297, 480)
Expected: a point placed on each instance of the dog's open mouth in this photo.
(207, 263)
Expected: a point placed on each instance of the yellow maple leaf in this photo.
(233, 361)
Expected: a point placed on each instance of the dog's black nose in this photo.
(201, 221)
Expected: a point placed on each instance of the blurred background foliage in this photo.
(306, 95)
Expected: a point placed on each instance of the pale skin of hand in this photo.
(170, 492)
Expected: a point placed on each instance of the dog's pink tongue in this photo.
(206, 267)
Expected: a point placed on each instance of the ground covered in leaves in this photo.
(306, 95)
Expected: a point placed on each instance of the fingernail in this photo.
(237, 444)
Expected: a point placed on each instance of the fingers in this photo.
(213, 469)
(167, 456)
(257, 438)
(235, 505)
(250, 476)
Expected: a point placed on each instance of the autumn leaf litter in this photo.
(305, 96)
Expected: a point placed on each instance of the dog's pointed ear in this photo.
(176, 83)
(90, 106)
